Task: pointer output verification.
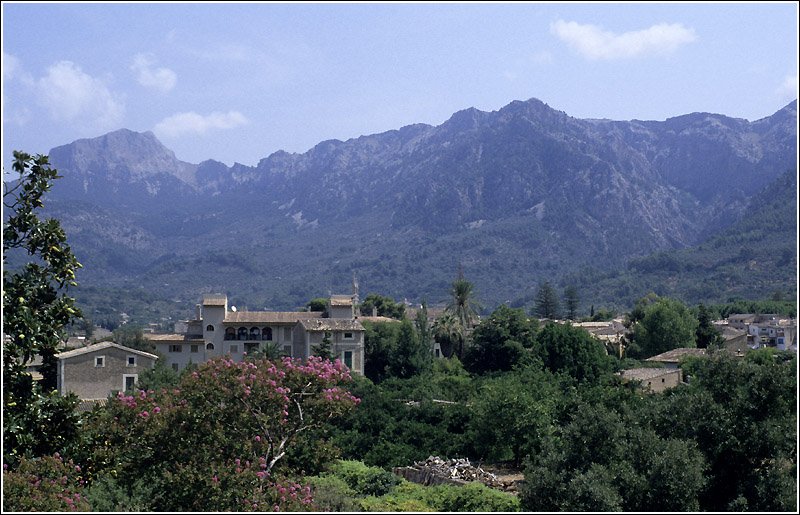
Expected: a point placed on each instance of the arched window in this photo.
(230, 333)
(266, 334)
(210, 346)
(210, 328)
(255, 333)
(242, 333)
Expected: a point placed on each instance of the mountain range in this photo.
(512, 197)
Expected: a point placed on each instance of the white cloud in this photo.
(10, 65)
(788, 88)
(74, 96)
(594, 43)
(193, 123)
(161, 79)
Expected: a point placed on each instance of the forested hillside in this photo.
(515, 196)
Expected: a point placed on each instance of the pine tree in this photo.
(325, 349)
(546, 302)
(571, 301)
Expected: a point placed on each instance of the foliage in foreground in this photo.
(219, 441)
(354, 486)
(44, 484)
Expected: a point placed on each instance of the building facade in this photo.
(221, 330)
(96, 371)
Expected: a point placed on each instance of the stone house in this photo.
(96, 371)
(220, 330)
(653, 379)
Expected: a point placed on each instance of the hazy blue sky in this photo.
(236, 82)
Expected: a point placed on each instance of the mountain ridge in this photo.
(526, 190)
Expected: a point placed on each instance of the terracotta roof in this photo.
(100, 346)
(269, 317)
(377, 319)
(215, 299)
(675, 355)
(331, 324)
(165, 337)
(643, 374)
(341, 300)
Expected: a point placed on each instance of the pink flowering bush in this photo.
(220, 440)
(44, 484)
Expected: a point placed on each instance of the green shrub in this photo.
(471, 497)
(332, 493)
(106, 494)
(365, 480)
(44, 484)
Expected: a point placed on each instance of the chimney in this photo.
(198, 312)
(374, 311)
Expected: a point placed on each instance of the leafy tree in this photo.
(547, 305)
(385, 306)
(502, 341)
(380, 341)
(662, 325)
(603, 460)
(219, 441)
(572, 350)
(36, 310)
(158, 377)
(512, 414)
(742, 414)
(132, 335)
(46, 484)
(410, 356)
(422, 325)
(706, 335)
(571, 301)
(325, 349)
(317, 304)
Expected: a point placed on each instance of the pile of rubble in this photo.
(435, 470)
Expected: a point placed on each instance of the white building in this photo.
(218, 331)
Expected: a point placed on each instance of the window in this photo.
(287, 350)
(210, 328)
(210, 346)
(129, 381)
(131, 361)
(176, 348)
(437, 353)
(230, 333)
(234, 348)
(175, 367)
(100, 361)
(287, 333)
(347, 357)
(348, 336)
(255, 333)
(194, 348)
(251, 347)
(266, 334)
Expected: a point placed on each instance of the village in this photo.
(94, 370)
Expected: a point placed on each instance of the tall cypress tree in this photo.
(547, 305)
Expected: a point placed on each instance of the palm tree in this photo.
(464, 309)
(448, 332)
